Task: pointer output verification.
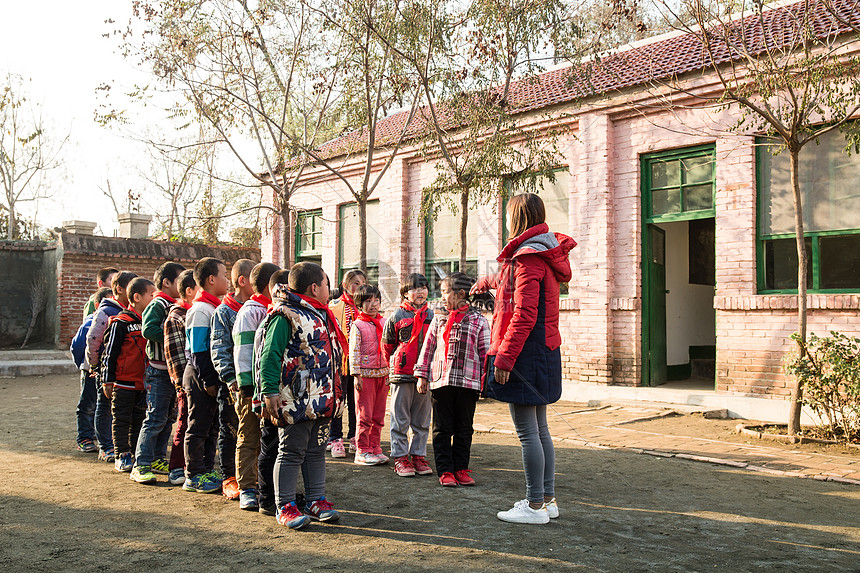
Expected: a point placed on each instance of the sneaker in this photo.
(353, 446)
(290, 516)
(201, 483)
(447, 479)
(381, 459)
(124, 462)
(421, 466)
(337, 450)
(87, 446)
(268, 510)
(176, 476)
(463, 477)
(366, 459)
(216, 475)
(552, 508)
(248, 500)
(403, 467)
(321, 510)
(107, 456)
(142, 474)
(328, 445)
(522, 512)
(230, 488)
(160, 466)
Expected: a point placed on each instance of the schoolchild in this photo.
(402, 338)
(85, 412)
(174, 356)
(248, 439)
(345, 311)
(200, 380)
(151, 455)
(123, 368)
(108, 307)
(221, 348)
(367, 364)
(297, 372)
(103, 280)
(452, 365)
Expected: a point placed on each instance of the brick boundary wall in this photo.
(81, 256)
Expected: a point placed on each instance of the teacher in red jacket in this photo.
(525, 351)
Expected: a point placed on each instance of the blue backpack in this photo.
(78, 347)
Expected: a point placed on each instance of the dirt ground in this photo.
(63, 510)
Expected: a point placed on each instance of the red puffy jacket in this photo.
(534, 257)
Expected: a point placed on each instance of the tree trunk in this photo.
(797, 392)
(286, 234)
(362, 234)
(12, 222)
(464, 223)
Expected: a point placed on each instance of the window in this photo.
(830, 187)
(556, 201)
(309, 236)
(442, 247)
(349, 253)
(679, 182)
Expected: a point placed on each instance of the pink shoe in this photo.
(353, 447)
(381, 459)
(403, 467)
(337, 450)
(421, 466)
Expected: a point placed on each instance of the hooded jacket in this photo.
(525, 339)
(125, 359)
(107, 308)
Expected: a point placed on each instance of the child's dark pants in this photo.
(129, 409)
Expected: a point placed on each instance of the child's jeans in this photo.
(269, 443)
(302, 447)
(247, 443)
(129, 409)
(160, 416)
(409, 409)
(370, 404)
(201, 436)
(177, 452)
(227, 432)
(453, 412)
(347, 384)
(86, 410)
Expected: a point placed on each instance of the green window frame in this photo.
(347, 219)
(309, 230)
(680, 184)
(833, 254)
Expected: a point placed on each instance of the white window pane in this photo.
(350, 243)
(556, 200)
(443, 235)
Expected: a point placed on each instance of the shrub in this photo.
(829, 371)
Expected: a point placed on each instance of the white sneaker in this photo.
(551, 508)
(522, 512)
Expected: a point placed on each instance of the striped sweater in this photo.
(248, 319)
(198, 325)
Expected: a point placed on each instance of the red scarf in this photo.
(231, 301)
(134, 312)
(262, 299)
(182, 304)
(454, 317)
(377, 322)
(206, 297)
(166, 297)
(332, 321)
(417, 322)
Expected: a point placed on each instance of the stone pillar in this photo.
(134, 225)
(79, 227)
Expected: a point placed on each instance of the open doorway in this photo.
(679, 331)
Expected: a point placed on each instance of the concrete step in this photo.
(17, 363)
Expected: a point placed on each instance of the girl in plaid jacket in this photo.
(451, 365)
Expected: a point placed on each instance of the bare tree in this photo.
(38, 298)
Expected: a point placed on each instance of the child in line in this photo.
(299, 379)
(200, 380)
(174, 356)
(85, 412)
(451, 364)
(221, 348)
(151, 455)
(103, 280)
(367, 364)
(402, 339)
(248, 319)
(345, 312)
(123, 372)
(108, 307)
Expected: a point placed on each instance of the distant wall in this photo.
(20, 262)
(81, 256)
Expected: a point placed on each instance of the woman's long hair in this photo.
(526, 211)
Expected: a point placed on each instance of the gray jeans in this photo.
(302, 448)
(409, 409)
(538, 451)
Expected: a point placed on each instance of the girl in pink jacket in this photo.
(367, 363)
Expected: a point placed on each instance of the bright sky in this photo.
(59, 46)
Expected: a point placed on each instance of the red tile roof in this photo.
(657, 60)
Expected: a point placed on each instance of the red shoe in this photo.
(421, 466)
(463, 477)
(230, 488)
(403, 468)
(447, 479)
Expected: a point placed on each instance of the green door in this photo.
(655, 308)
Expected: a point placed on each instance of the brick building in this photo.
(684, 266)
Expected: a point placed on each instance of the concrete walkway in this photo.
(614, 427)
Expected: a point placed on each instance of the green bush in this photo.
(829, 371)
